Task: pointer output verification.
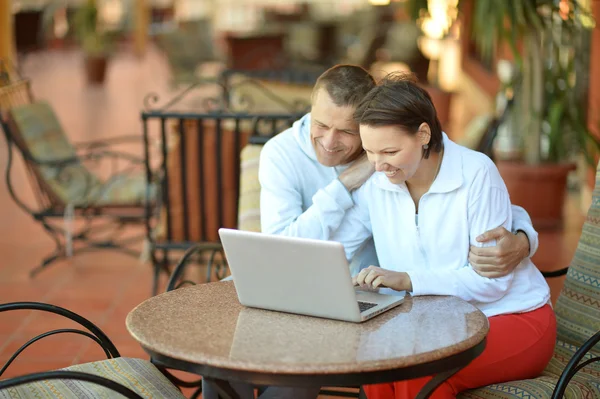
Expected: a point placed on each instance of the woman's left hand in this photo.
(375, 277)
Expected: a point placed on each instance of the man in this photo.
(307, 174)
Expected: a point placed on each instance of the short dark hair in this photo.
(347, 85)
(398, 100)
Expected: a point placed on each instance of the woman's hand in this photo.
(375, 277)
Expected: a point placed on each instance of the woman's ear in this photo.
(424, 133)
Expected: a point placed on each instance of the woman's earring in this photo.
(425, 146)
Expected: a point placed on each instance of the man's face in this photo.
(334, 135)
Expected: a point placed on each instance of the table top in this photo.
(205, 324)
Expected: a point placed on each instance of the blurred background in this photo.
(512, 79)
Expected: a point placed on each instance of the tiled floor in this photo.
(105, 286)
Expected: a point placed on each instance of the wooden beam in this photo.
(142, 21)
(7, 37)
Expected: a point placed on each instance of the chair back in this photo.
(578, 306)
(37, 133)
(14, 89)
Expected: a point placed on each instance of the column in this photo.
(142, 20)
(7, 39)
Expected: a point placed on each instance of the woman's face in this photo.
(394, 151)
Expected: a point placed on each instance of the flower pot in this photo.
(95, 68)
(539, 189)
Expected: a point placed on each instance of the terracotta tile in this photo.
(11, 321)
(63, 347)
(46, 322)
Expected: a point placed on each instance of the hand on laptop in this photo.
(376, 277)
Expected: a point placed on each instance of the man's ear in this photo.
(424, 133)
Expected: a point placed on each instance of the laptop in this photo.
(298, 275)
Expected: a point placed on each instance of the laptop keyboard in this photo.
(364, 306)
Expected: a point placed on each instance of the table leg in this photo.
(435, 382)
(223, 388)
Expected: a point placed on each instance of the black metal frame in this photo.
(574, 365)
(215, 115)
(93, 332)
(50, 215)
(444, 368)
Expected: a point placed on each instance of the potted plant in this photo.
(95, 41)
(547, 111)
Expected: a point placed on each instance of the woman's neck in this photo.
(425, 175)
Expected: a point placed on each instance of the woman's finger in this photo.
(378, 282)
(373, 274)
(360, 279)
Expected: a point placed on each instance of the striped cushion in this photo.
(578, 306)
(584, 385)
(136, 374)
(249, 206)
(538, 388)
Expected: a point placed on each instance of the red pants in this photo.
(518, 347)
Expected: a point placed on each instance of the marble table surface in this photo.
(205, 324)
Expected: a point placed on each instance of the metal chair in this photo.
(132, 378)
(98, 183)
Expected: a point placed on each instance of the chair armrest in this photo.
(95, 333)
(197, 249)
(108, 142)
(71, 375)
(556, 273)
(573, 366)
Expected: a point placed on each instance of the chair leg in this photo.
(87, 243)
(59, 252)
(156, 267)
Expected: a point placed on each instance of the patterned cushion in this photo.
(136, 374)
(538, 388)
(584, 385)
(578, 306)
(122, 189)
(37, 131)
(578, 317)
(249, 207)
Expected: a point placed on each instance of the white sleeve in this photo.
(488, 207)
(281, 210)
(355, 229)
(522, 221)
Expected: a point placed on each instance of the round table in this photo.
(205, 330)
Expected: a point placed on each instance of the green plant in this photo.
(544, 36)
(94, 40)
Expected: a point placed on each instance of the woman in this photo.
(428, 201)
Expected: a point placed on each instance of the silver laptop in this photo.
(298, 275)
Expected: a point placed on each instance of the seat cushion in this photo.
(136, 374)
(249, 207)
(126, 189)
(586, 383)
(537, 388)
(578, 306)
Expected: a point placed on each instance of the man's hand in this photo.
(374, 277)
(357, 173)
(498, 261)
